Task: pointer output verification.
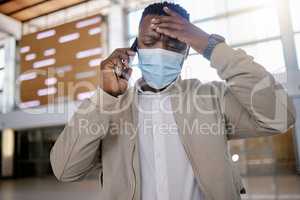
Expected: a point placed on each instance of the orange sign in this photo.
(61, 63)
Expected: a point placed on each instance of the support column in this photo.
(10, 68)
(292, 67)
(7, 152)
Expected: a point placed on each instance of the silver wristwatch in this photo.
(213, 40)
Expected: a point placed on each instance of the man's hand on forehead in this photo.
(177, 27)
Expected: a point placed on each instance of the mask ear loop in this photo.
(134, 47)
(187, 52)
(184, 58)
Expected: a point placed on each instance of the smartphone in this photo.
(134, 45)
(124, 72)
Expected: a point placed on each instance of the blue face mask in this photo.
(159, 67)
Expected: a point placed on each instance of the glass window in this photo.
(2, 58)
(219, 26)
(1, 102)
(196, 66)
(245, 27)
(295, 5)
(297, 40)
(203, 9)
(238, 4)
(133, 22)
(1, 79)
(268, 54)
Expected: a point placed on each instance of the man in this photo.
(166, 138)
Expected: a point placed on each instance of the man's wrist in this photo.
(200, 43)
(213, 41)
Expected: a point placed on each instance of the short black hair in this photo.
(157, 9)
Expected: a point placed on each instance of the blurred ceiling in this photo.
(24, 10)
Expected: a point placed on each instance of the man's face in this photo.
(148, 38)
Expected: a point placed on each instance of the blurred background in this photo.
(49, 54)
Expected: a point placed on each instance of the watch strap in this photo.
(213, 41)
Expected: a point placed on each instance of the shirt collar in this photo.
(167, 89)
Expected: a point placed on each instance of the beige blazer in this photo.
(103, 132)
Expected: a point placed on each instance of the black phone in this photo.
(134, 46)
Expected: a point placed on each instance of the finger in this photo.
(168, 32)
(123, 84)
(161, 19)
(130, 52)
(118, 67)
(124, 58)
(107, 64)
(111, 62)
(123, 80)
(171, 12)
(174, 26)
(120, 57)
(125, 62)
(127, 51)
(108, 79)
(126, 73)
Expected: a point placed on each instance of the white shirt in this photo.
(166, 172)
